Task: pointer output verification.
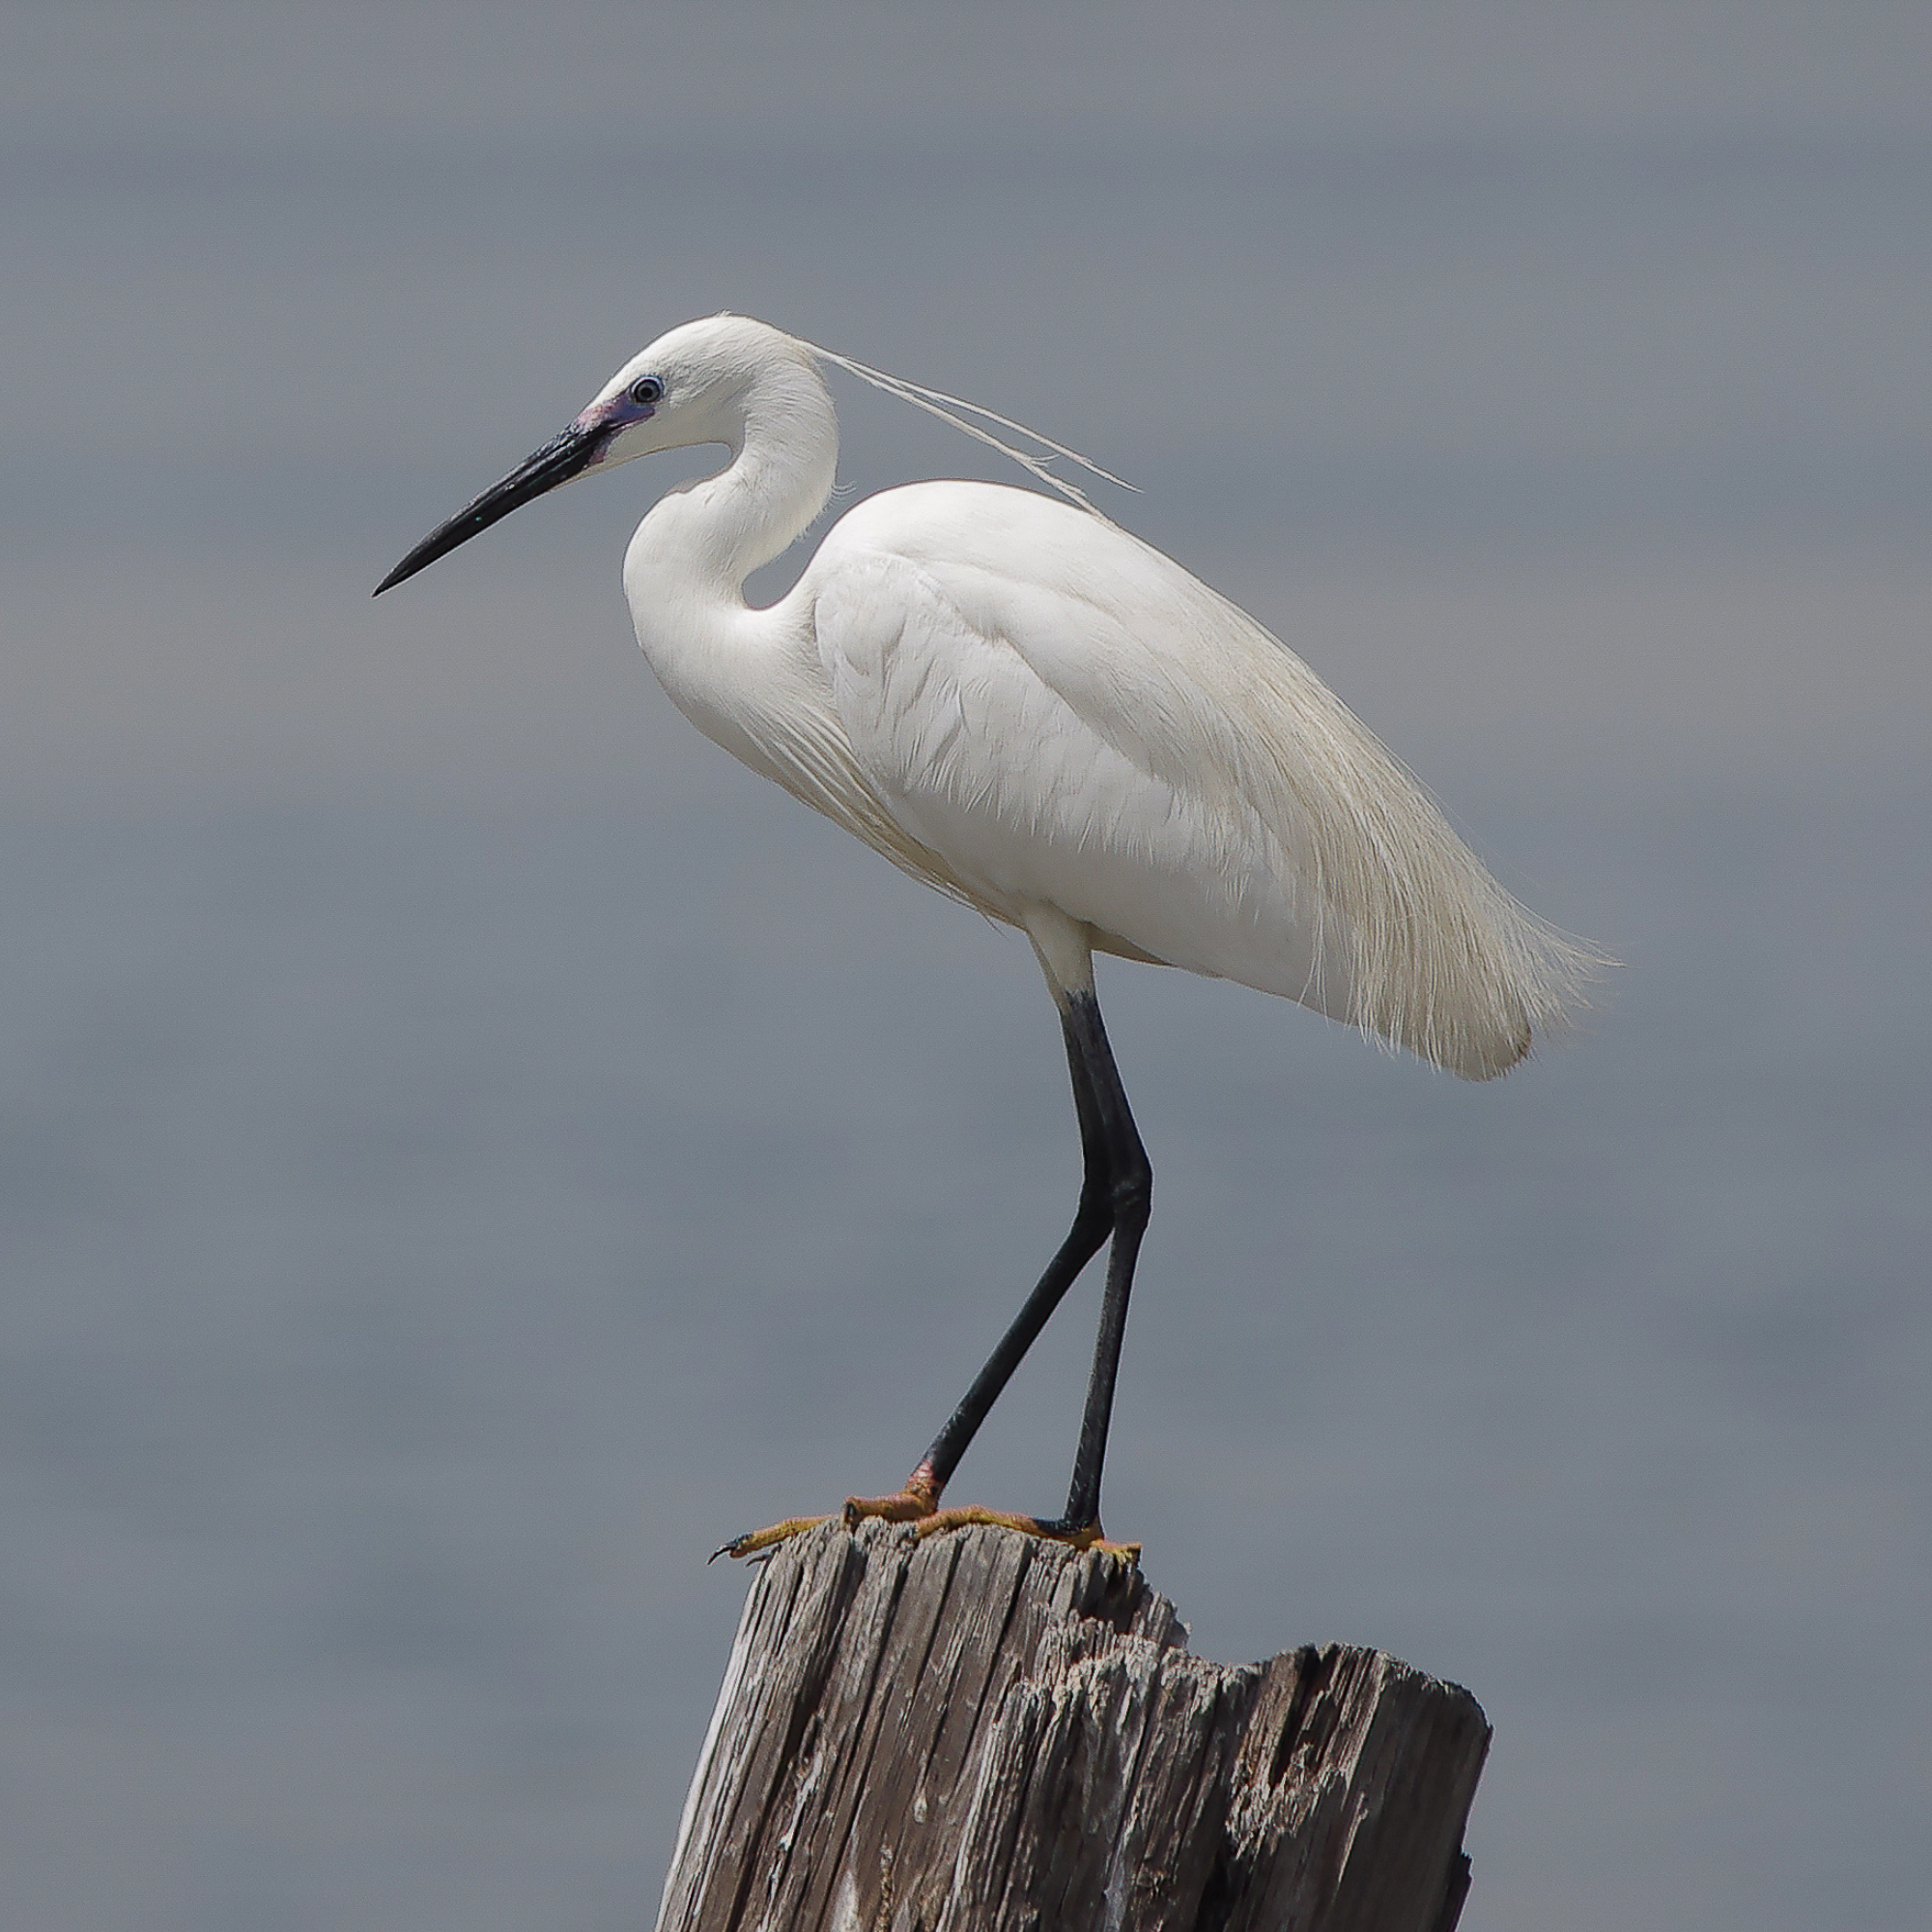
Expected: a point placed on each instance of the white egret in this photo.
(1026, 707)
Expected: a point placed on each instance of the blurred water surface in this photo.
(466, 1149)
(427, 1236)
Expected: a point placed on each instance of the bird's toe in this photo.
(1079, 1536)
(757, 1542)
(912, 1504)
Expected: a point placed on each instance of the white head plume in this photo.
(958, 413)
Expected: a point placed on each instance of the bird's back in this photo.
(1066, 716)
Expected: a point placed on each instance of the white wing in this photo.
(1064, 717)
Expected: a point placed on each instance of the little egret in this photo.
(1019, 703)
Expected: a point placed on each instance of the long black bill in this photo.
(560, 459)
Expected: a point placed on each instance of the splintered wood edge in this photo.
(841, 1771)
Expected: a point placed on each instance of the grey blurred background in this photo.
(465, 1148)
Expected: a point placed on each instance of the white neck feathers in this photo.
(710, 535)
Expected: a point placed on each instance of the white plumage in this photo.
(1029, 709)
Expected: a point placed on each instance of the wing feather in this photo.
(1065, 716)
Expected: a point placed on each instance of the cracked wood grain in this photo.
(985, 1731)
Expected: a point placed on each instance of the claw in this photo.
(755, 1542)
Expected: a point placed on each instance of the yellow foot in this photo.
(1088, 1537)
(912, 1504)
(755, 1542)
(918, 1504)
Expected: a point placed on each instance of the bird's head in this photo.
(695, 384)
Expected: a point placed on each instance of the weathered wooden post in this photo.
(985, 1731)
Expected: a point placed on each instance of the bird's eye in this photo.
(647, 391)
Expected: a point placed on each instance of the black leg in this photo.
(1116, 1194)
(1093, 1221)
(1129, 1200)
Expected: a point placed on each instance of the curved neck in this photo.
(710, 535)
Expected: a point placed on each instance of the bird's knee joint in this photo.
(1095, 1212)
